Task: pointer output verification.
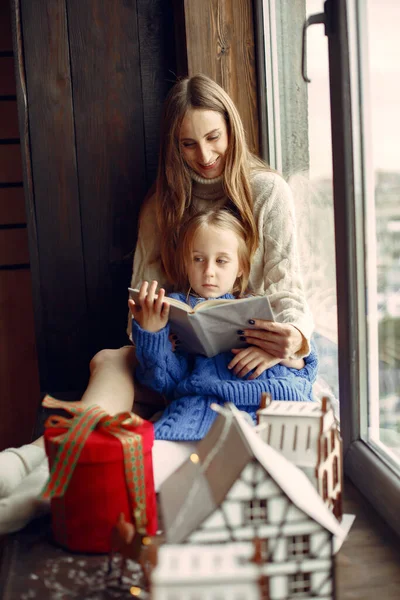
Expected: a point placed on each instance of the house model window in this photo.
(299, 545)
(299, 584)
(255, 511)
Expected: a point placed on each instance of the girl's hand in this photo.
(250, 358)
(151, 313)
(281, 340)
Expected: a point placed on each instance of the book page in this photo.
(220, 323)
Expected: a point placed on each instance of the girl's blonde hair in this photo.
(221, 219)
(174, 183)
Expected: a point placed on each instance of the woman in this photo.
(204, 159)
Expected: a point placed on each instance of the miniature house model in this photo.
(306, 433)
(241, 522)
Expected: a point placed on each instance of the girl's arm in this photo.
(147, 264)
(159, 367)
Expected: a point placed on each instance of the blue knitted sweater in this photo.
(192, 382)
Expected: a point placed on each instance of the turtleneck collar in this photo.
(207, 189)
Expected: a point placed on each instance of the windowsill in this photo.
(367, 566)
(375, 480)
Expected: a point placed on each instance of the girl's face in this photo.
(213, 265)
(204, 141)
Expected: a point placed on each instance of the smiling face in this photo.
(204, 142)
(213, 265)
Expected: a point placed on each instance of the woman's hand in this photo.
(250, 358)
(281, 340)
(151, 313)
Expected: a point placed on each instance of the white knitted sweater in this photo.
(275, 268)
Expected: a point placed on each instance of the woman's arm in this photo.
(277, 272)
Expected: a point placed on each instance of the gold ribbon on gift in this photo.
(79, 427)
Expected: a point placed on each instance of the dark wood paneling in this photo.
(10, 163)
(7, 79)
(14, 247)
(12, 209)
(8, 119)
(5, 26)
(220, 43)
(108, 110)
(157, 54)
(89, 123)
(20, 395)
(56, 207)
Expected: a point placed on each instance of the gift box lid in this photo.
(101, 446)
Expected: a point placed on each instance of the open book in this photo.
(212, 326)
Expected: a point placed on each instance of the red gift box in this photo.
(101, 466)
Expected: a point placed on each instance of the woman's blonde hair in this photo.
(221, 219)
(174, 183)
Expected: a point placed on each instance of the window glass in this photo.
(379, 43)
(303, 122)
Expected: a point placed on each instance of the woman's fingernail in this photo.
(240, 331)
(251, 321)
(242, 338)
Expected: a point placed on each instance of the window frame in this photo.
(372, 474)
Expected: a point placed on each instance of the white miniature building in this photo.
(252, 524)
(307, 434)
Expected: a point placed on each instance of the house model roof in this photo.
(200, 485)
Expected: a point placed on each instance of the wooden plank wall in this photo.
(90, 120)
(19, 382)
(219, 37)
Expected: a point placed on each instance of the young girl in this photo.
(214, 262)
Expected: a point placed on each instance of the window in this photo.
(340, 132)
(325, 486)
(298, 545)
(379, 90)
(325, 448)
(299, 146)
(299, 584)
(335, 471)
(255, 511)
